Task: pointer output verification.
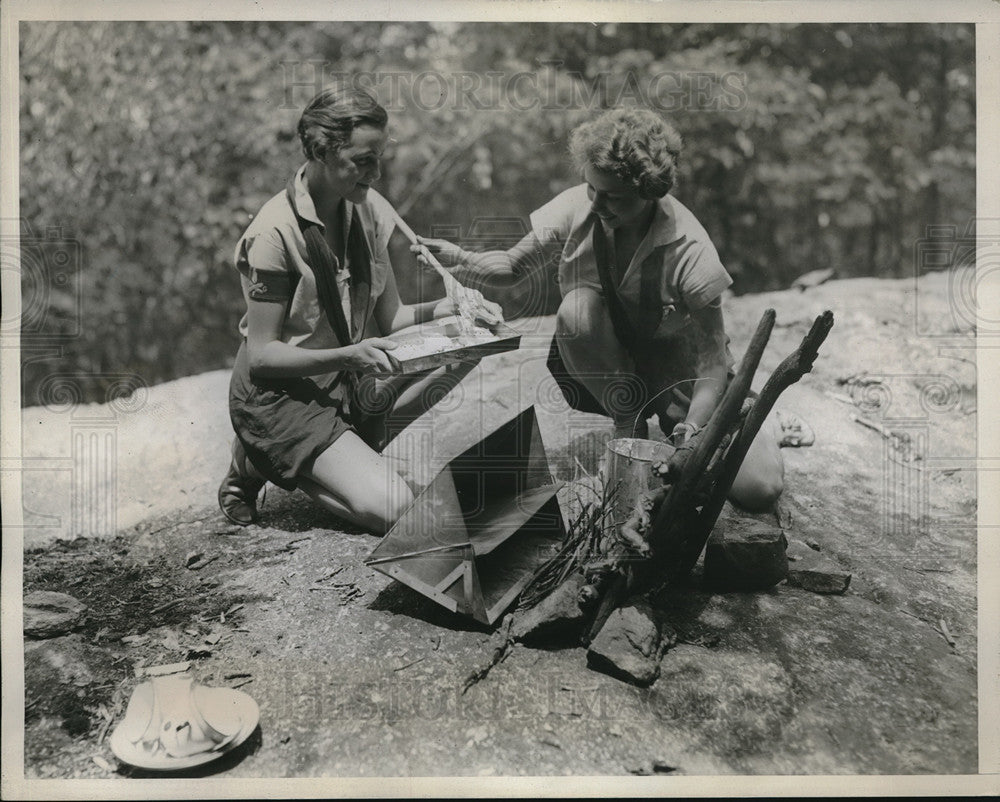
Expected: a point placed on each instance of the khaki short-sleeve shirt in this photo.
(691, 273)
(273, 262)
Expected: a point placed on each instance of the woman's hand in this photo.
(485, 311)
(683, 432)
(479, 308)
(371, 355)
(447, 253)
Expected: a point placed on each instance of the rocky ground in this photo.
(357, 675)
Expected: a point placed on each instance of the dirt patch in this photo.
(143, 610)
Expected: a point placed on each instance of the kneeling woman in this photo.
(640, 327)
(320, 297)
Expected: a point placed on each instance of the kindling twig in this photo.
(165, 606)
(501, 653)
(411, 663)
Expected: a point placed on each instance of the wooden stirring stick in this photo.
(453, 288)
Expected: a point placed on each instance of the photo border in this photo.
(986, 16)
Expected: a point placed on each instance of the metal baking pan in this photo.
(431, 345)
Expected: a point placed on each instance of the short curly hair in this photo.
(637, 145)
(332, 115)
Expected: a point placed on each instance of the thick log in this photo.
(677, 514)
(679, 530)
(614, 596)
(791, 369)
(688, 464)
(559, 616)
(690, 460)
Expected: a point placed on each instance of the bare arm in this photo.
(271, 358)
(709, 340)
(391, 314)
(498, 268)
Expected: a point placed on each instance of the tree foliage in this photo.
(152, 144)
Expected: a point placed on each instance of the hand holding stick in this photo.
(455, 291)
(451, 284)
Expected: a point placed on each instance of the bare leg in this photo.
(761, 477)
(407, 397)
(355, 483)
(595, 357)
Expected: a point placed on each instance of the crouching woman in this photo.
(640, 328)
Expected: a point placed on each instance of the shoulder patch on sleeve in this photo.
(269, 285)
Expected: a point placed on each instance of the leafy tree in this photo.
(152, 144)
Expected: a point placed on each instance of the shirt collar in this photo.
(663, 229)
(304, 202)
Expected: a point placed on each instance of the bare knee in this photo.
(402, 499)
(579, 314)
(379, 510)
(757, 492)
(761, 478)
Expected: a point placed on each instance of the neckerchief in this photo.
(650, 308)
(324, 263)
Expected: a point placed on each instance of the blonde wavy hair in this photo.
(636, 145)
